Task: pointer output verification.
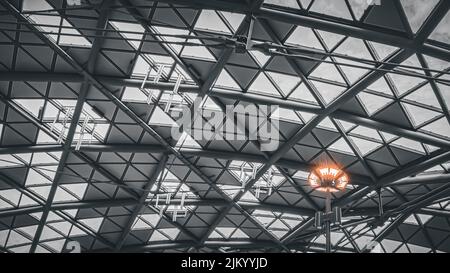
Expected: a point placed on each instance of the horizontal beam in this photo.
(143, 148)
(423, 179)
(238, 244)
(91, 204)
(235, 95)
(306, 19)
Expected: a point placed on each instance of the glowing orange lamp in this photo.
(328, 179)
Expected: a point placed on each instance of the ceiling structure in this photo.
(86, 152)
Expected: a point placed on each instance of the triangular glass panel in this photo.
(373, 103)
(262, 85)
(234, 19)
(284, 82)
(134, 32)
(439, 127)
(382, 50)
(331, 39)
(336, 8)
(424, 95)
(329, 92)
(406, 143)
(365, 146)
(417, 11)
(225, 80)
(420, 115)
(341, 146)
(327, 71)
(209, 20)
(302, 93)
(303, 36)
(440, 33)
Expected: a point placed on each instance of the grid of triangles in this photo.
(87, 154)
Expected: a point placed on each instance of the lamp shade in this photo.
(328, 179)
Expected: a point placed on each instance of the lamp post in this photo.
(328, 180)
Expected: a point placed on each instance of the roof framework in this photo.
(365, 87)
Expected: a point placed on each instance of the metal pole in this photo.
(380, 203)
(327, 222)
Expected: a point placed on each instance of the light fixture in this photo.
(328, 179)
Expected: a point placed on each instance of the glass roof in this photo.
(90, 96)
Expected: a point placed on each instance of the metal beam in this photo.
(214, 244)
(303, 18)
(438, 157)
(141, 202)
(205, 90)
(235, 95)
(102, 24)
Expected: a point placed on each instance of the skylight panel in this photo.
(414, 62)
(404, 83)
(388, 137)
(302, 93)
(285, 83)
(170, 233)
(234, 19)
(93, 223)
(199, 52)
(7, 161)
(146, 221)
(373, 103)
(355, 48)
(346, 125)
(439, 127)
(382, 50)
(70, 192)
(131, 31)
(303, 36)
(366, 132)
(329, 92)
(134, 94)
(365, 146)
(424, 95)
(33, 106)
(262, 85)
(420, 115)
(260, 57)
(381, 86)
(409, 144)
(172, 31)
(335, 8)
(186, 141)
(73, 37)
(327, 71)
(301, 175)
(210, 20)
(441, 33)
(225, 80)
(331, 39)
(9, 198)
(359, 7)
(417, 11)
(341, 146)
(437, 64)
(327, 124)
(230, 190)
(161, 118)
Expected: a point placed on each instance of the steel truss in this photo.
(299, 237)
